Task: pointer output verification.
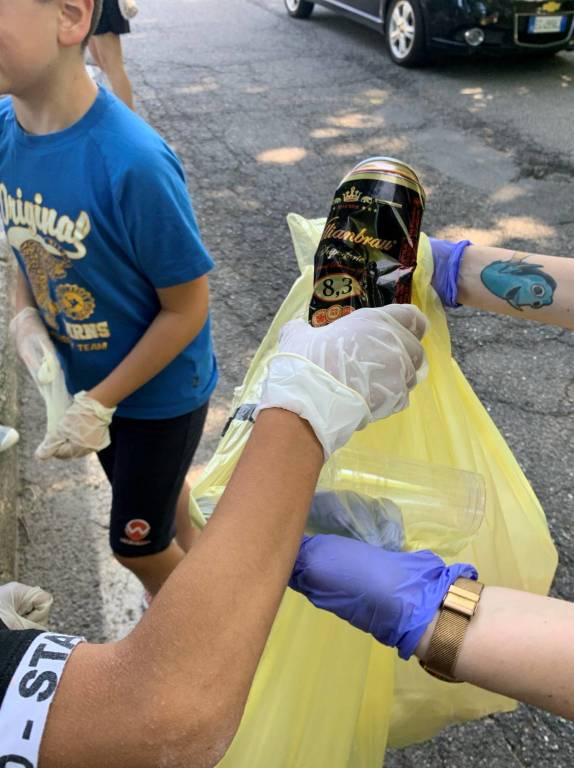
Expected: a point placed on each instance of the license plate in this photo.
(546, 24)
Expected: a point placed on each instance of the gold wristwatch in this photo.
(457, 609)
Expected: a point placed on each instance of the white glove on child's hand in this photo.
(128, 8)
(39, 354)
(24, 607)
(8, 437)
(83, 428)
(344, 375)
(33, 344)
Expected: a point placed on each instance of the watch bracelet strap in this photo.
(446, 640)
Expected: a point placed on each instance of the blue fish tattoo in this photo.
(519, 283)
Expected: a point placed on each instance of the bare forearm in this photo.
(224, 596)
(202, 638)
(24, 297)
(519, 645)
(166, 337)
(524, 285)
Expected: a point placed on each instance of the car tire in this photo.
(299, 9)
(405, 34)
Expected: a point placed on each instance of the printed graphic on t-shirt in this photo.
(49, 243)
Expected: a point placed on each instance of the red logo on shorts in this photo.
(137, 530)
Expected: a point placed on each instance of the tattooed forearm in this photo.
(519, 282)
(531, 286)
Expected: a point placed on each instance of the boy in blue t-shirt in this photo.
(112, 272)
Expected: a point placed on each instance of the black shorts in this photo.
(146, 464)
(112, 20)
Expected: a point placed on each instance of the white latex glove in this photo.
(33, 344)
(8, 437)
(128, 8)
(82, 429)
(344, 375)
(24, 607)
(39, 355)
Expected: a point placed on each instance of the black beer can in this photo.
(368, 250)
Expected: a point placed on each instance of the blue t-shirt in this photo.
(99, 216)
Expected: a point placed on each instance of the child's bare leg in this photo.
(187, 534)
(93, 48)
(154, 570)
(107, 51)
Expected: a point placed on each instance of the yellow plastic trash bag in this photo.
(326, 694)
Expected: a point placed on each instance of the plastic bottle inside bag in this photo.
(441, 507)
(392, 503)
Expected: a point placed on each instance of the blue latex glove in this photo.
(447, 258)
(392, 595)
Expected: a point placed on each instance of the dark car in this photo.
(413, 28)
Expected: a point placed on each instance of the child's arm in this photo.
(24, 297)
(165, 242)
(29, 333)
(183, 313)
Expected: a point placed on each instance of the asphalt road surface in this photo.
(267, 113)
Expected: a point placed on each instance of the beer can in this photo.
(368, 250)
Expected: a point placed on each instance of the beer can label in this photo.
(367, 252)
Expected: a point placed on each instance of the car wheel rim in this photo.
(292, 5)
(401, 29)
